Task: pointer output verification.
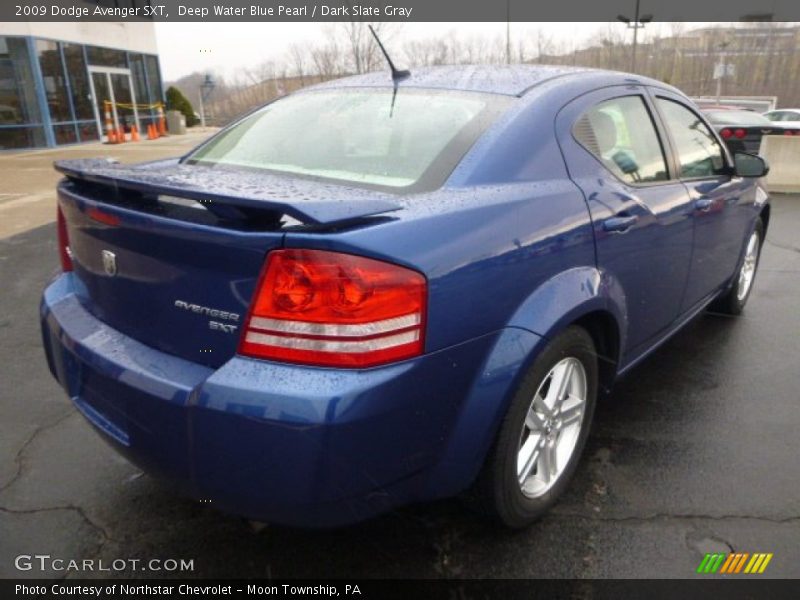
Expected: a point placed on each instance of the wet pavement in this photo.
(695, 451)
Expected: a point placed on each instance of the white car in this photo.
(789, 118)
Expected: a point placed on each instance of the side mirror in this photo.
(749, 165)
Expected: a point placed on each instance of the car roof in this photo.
(511, 80)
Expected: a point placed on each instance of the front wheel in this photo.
(732, 303)
(543, 434)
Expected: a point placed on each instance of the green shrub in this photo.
(177, 101)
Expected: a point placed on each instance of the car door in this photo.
(720, 202)
(641, 215)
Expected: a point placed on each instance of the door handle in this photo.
(704, 204)
(619, 224)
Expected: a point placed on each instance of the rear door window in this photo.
(621, 134)
(699, 152)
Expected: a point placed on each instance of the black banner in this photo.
(463, 589)
(397, 10)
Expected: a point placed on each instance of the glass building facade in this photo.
(53, 92)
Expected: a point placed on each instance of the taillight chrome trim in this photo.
(319, 345)
(324, 329)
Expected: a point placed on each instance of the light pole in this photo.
(638, 22)
(721, 70)
(206, 88)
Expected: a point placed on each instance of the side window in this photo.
(699, 152)
(621, 134)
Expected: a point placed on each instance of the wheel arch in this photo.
(764, 215)
(605, 333)
(584, 296)
(581, 296)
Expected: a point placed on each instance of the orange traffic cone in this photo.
(110, 132)
(121, 135)
(151, 135)
(134, 133)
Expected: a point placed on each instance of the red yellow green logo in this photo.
(735, 562)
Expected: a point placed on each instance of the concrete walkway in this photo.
(28, 180)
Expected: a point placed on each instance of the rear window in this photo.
(408, 141)
(744, 118)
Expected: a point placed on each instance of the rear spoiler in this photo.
(222, 190)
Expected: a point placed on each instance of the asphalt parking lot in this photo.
(696, 451)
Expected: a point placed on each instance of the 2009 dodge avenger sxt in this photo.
(374, 292)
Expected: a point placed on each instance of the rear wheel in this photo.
(543, 434)
(733, 301)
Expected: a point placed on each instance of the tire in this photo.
(733, 301)
(498, 490)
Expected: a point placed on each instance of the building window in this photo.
(140, 88)
(106, 57)
(55, 85)
(65, 134)
(20, 118)
(17, 92)
(153, 78)
(78, 82)
(88, 131)
(21, 137)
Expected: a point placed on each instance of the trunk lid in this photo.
(170, 254)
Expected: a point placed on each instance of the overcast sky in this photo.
(224, 47)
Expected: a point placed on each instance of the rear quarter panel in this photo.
(507, 247)
(508, 221)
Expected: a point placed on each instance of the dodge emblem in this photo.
(109, 263)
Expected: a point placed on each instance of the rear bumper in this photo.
(286, 443)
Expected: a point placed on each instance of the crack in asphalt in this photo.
(27, 442)
(105, 537)
(69, 507)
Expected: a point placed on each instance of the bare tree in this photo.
(298, 59)
(765, 57)
(363, 51)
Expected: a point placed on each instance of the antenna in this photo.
(397, 75)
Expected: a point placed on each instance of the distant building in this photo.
(769, 40)
(55, 77)
(761, 60)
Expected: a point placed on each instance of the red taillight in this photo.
(740, 133)
(726, 133)
(787, 132)
(63, 243)
(330, 309)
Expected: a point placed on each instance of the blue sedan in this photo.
(374, 292)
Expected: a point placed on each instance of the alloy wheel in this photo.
(748, 271)
(552, 427)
